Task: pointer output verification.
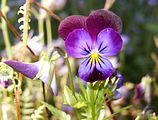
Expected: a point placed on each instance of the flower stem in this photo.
(5, 30)
(26, 28)
(108, 104)
(45, 100)
(92, 101)
(49, 30)
(40, 28)
(70, 75)
(17, 98)
(108, 4)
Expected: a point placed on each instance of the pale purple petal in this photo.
(54, 86)
(29, 70)
(93, 72)
(78, 43)
(109, 42)
(117, 95)
(44, 68)
(120, 80)
(70, 23)
(101, 19)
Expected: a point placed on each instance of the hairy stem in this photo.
(5, 30)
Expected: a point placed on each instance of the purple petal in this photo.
(93, 72)
(54, 86)
(5, 82)
(139, 91)
(117, 95)
(101, 19)
(120, 80)
(29, 70)
(78, 43)
(70, 23)
(109, 42)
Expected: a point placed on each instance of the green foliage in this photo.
(56, 112)
(38, 114)
(90, 102)
(27, 105)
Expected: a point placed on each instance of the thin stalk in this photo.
(70, 76)
(108, 4)
(5, 30)
(25, 38)
(50, 13)
(41, 27)
(11, 27)
(17, 99)
(44, 98)
(92, 101)
(49, 30)
(108, 104)
(26, 28)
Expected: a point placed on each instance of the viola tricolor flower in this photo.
(93, 38)
(35, 70)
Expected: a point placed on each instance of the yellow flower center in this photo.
(94, 57)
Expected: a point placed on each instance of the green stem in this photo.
(5, 30)
(40, 28)
(49, 30)
(92, 101)
(70, 76)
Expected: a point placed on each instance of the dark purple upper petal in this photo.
(70, 23)
(29, 70)
(101, 19)
(78, 43)
(109, 42)
(92, 72)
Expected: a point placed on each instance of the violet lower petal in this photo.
(86, 71)
(70, 23)
(104, 69)
(29, 70)
(92, 72)
(109, 42)
(78, 43)
(101, 19)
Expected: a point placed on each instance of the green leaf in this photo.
(69, 98)
(56, 112)
(76, 101)
(82, 88)
(79, 105)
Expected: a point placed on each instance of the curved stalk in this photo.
(5, 30)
